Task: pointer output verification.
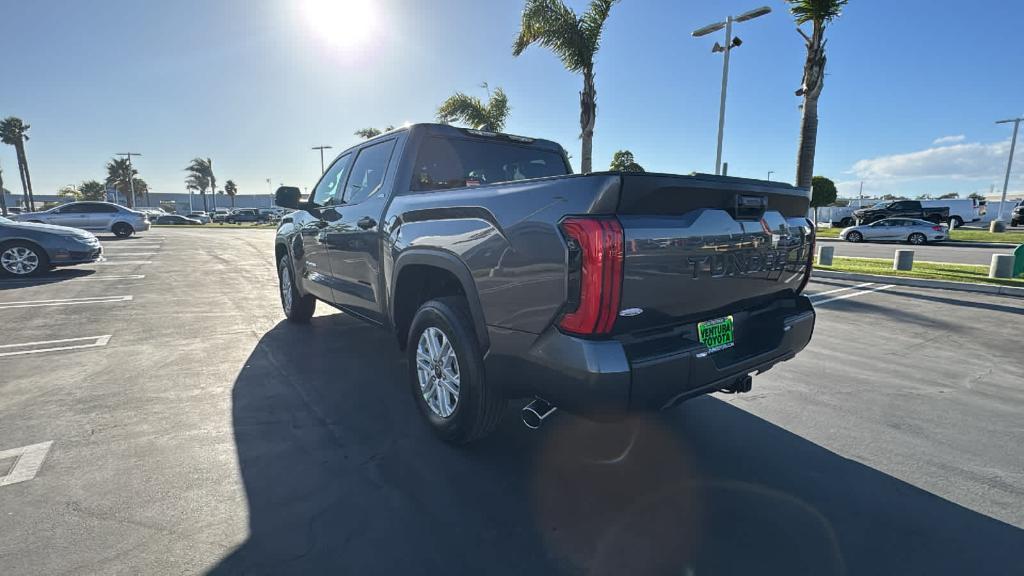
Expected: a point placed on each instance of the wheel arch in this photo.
(422, 274)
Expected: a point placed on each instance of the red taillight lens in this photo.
(937, 228)
(595, 269)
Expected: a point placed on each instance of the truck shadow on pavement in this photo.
(342, 477)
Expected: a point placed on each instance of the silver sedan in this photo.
(897, 230)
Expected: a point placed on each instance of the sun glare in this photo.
(345, 24)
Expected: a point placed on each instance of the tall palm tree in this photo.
(575, 40)
(202, 169)
(819, 13)
(14, 132)
(470, 110)
(120, 175)
(197, 183)
(231, 189)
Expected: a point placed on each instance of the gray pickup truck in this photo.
(505, 276)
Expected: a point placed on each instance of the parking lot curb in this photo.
(921, 283)
(955, 243)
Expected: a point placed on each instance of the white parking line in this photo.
(29, 461)
(116, 262)
(19, 281)
(67, 344)
(65, 302)
(118, 254)
(843, 289)
(851, 295)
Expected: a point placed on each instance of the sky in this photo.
(909, 104)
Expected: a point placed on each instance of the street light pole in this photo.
(321, 149)
(131, 176)
(1009, 163)
(770, 172)
(730, 43)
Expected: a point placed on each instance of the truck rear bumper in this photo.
(602, 378)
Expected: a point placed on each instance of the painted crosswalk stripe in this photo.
(65, 302)
(54, 345)
(29, 461)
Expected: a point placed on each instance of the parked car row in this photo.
(94, 216)
(30, 248)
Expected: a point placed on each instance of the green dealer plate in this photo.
(716, 334)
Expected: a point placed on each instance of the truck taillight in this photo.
(595, 275)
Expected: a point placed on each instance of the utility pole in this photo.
(861, 193)
(131, 176)
(770, 172)
(3, 195)
(321, 148)
(1009, 163)
(730, 43)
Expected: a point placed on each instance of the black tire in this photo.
(480, 405)
(38, 256)
(956, 222)
(301, 307)
(854, 236)
(846, 222)
(122, 230)
(917, 239)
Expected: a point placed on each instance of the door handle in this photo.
(366, 223)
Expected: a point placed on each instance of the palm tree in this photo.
(92, 190)
(14, 132)
(197, 183)
(575, 40)
(230, 188)
(120, 175)
(367, 133)
(202, 169)
(819, 13)
(470, 110)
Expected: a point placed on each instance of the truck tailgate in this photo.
(702, 247)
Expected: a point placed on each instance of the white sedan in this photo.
(897, 230)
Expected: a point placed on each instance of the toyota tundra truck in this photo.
(504, 276)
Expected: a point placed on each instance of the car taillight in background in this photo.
(595, 275)
(938, 228)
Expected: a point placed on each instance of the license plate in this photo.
(716, 334)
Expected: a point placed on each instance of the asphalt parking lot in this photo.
(162, 418)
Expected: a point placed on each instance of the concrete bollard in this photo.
(904, 260)
(1002, 266)
(997, 226)
(825, 255)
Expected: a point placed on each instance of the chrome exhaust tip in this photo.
(535, 412)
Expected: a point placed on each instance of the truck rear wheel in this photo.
(446, 373)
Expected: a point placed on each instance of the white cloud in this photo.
(971, 161)
(949, 139)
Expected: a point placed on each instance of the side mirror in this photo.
(289, 197)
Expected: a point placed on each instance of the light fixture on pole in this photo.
(730, 43)
(131, 176)
(1009, 163)
(770, 172)
(321, 149)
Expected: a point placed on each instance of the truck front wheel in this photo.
(446, 373)
(297, 308)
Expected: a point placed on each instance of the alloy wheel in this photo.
(19, 260)
(437, 368)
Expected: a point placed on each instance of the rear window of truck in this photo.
(444, 163)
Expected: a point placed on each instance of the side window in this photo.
(104, 208)
(901, 206)
(368, 172)
(328, 191)
(71, 209)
